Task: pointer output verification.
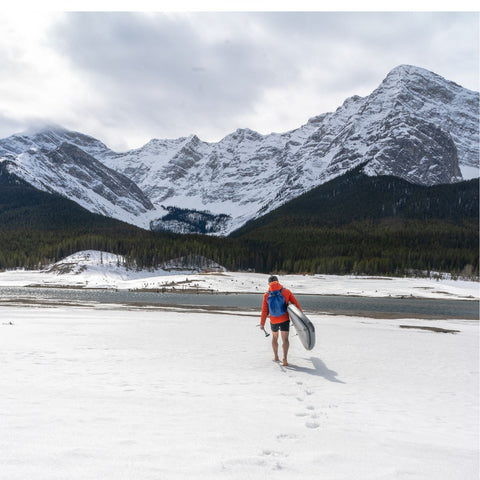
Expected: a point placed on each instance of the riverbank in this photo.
(242, 282)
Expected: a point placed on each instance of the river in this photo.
(379, 307)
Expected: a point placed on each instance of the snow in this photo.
(93, 269)
(469, 172)
(119, 393)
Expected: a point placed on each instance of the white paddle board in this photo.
(303, 326)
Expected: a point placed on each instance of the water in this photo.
(361, 306)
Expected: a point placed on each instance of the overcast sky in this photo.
(125, 78)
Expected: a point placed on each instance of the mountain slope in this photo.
(73, 173)
(356, 196)
(25, 207)
(370, 225)
(416, 125)
(40, 228)
(355, 223)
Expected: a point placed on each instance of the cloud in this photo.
(128, 77)
(173, 71)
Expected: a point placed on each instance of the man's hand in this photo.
(262, 328)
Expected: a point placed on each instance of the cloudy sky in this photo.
(128, 77)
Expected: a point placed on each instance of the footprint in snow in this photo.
(244, 462)
(266, 460)
(287, 436)
(272, 453)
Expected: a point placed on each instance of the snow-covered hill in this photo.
(95, 269)
(416, 125)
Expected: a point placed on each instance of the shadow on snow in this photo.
(318, 368)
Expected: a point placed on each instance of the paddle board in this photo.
(303, 326)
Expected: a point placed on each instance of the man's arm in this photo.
(294, 300)
(264, 316)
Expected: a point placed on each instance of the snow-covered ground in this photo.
(116, 392)
(120, 393)
(103, 270)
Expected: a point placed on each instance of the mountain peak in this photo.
(403, 75)
(412, 75)
(42, 128)
(241, 134)
(406, 69)
(51, 136)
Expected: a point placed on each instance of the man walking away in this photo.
(275, 303)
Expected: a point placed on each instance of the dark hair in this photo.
(273, 278)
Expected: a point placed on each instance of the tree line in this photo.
(360, 248)
(354, 224)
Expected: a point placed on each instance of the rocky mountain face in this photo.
(416, 125)
(74, 173)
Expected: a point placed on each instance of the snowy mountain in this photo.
(57, 161)
(416, 125)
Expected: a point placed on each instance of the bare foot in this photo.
(276, 359)
(285, 363)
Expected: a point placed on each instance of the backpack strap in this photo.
(275, 291)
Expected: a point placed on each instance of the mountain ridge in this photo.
(415, 125)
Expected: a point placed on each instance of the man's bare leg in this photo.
(285, 346)
(275, 346)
